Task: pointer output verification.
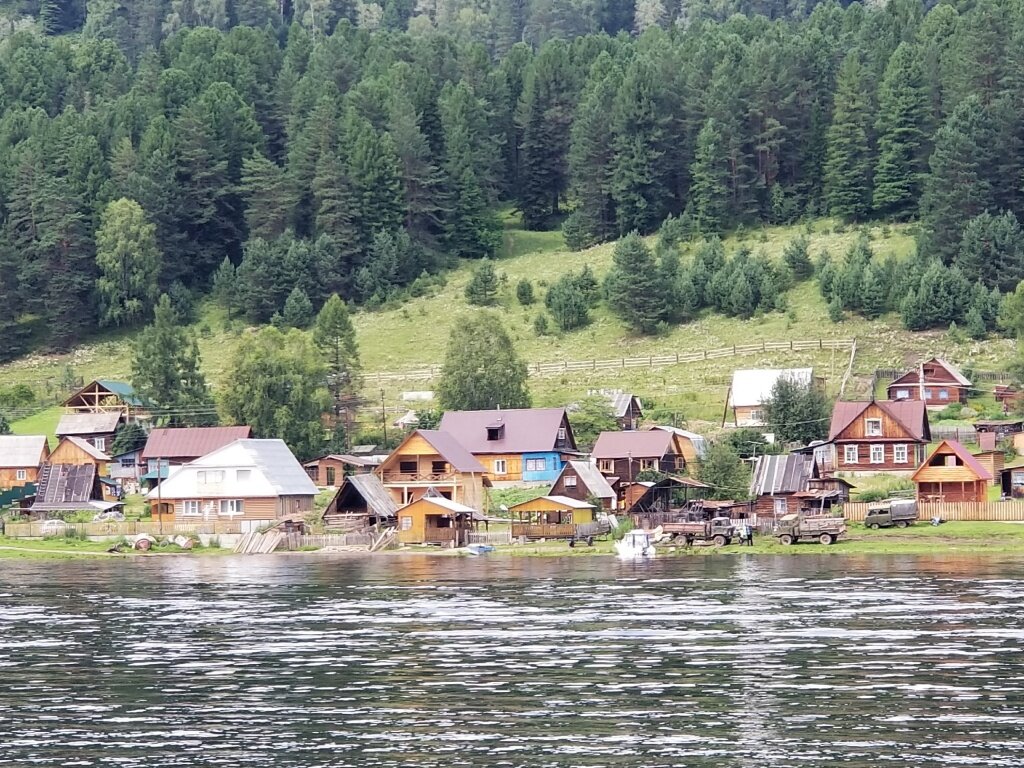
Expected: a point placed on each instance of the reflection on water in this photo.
(396, 661)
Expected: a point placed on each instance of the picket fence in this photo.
(988, 511)
(295, 541)
(650, 361)
(40, 528)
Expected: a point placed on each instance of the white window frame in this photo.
(21, 474)
(562, 435)
(943, 394)
(536, 465)
(500, 466)
(570, 481)
(873, 427)
(406, 524)
(780, 505)
(757, 415)
(606, 465)
(231, 507)
(902, 394)
(851, 451)
(210, 476)
(191, 508)
(897, 450)
(877, 455)
(646, 464)
(99, 443)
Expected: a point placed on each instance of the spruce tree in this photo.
(482, 289)
(633, 285)
(847, 170)
(709, 191)
(992, 251)
(268, 195)
(298, 309)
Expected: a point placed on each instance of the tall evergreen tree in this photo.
(633, 285)
(709, 194)
(268, 196)
(129, 264)
(847, 172)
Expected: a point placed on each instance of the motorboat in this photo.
(635, 545)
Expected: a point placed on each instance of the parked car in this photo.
(891, 512)
(802, 527)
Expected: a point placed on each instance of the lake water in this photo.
(419, 661)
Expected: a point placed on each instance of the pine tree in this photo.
(423, 183)
(633, 285)
(524, 292)
(901, 125)
(268, 196)
(373, 168)
(129, 264)
(482, 289)
(298, 309)
(335, 338)
(797, 256)
(847, 171)
(225, 285)
(873, 294)
(567, 303)
(708, 189)
(992, 251)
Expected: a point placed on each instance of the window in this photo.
(500, 466)
(570, 481)
(496, 432)
(757, 416)
(850, 454)
(561, 434)
(191, 508)
(943, 394)
(605, 465)
(407, 467)
(127, 462)
(873, 427)
(21, 474)
(680, 463)
(646, 464)
(927, 394)
(536, 465)
(231, 506)
(406, 523)
(877, 454)
(780, 506)
(331, 476)
(902, 394)
(438, 467)
(899, 454)
(244, 475)
(100, 443)
(208, 477)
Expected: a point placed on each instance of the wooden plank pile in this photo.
(256, 543)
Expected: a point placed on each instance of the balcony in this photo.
(410, 478)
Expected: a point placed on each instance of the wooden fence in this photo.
(650, 361)
(491, 537)
(295, 541)
(40, 528)
(989, 511)
(960, 434)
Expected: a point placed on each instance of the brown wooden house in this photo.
(362, 501)
(429, 460)
(21, 456)
(97, 429)
(877, 436)
(581, 481)
(951, 474)
(935, 382)
(785, 484)
(626, 454)
(627, 409)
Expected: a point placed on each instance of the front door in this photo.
(330, 477)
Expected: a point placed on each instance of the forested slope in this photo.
(264, 151)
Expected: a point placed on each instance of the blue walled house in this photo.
(518, 445)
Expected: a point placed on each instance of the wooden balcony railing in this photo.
(543, 530)
(439, 535)
(418, 477)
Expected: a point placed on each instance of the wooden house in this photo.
(626, 455)
(519, 445)
(362, 501)
(1011, 479)
(951, 474)
(430, 459)
(105, 396)
(21, 456)
(752, 388)
(581, 481)
(125, 469)
(330, 471)
(76, 451)
(790, 483)
(251, 482)
(1007, 396)
(872, 436)
(627, 409)
(993, 461)
(98, 428)
(935, 382)
(434, 519)
(552, 517)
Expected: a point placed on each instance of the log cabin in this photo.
(877, 436)
(430, 459)
(519, 445)
(951, 474)
(248, 482)
(581, 481)
(935, 382)
(21, 456)
(433, 519)
(790, 483)
(752, 388)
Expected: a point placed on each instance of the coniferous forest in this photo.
(276, 152)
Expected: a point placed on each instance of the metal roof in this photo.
(441, 501)
(88, 423)
(619, 445)
(556, 501)
(527, 430)
(620, 402)
(911, 414)
(752, 387)
(699, 442)
(787, 473)
(122, 389)
(190, 442)
(88, 447)
(19, 451)
(593, 480)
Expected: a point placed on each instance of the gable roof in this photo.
(20, 451)
(558, 501)
(699, 442)
(647, 443)
(953, 448)
(527, 430)
(190, 442)
(88, 423)
(912, 376)
(443, 503)
(122, 389)
(912, 415)
(275, 472)
(753, 386)
(594, 481)
(371, 490)
(787, 473)
(621, 401)
(88, 447)
(67, 487)
(448, 448)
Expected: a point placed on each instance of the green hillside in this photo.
(413, 335)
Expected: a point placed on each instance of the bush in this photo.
(951, 412)
(540, 325)
(575, 233)
(524, 292)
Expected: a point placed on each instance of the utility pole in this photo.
(383, 418)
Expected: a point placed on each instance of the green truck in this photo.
(891, 512)
(794, 528)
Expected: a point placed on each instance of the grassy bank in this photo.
(69, 548)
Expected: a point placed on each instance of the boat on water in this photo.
(637, 544)
(479, 549)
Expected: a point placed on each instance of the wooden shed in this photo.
(551, 517)
(951, 474)
(435, 520)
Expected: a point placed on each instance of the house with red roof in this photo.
(517, 445)
(877, 436)
(178, 446)
(951, 474)
(432, 461)
(935, 382)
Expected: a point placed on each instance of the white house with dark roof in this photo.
(752, 388)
